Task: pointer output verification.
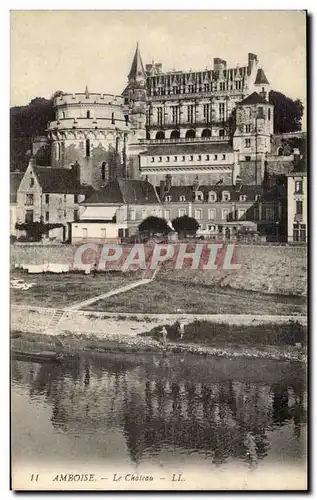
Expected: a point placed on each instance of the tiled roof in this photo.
(137, 64)
(15, 179)
(254, 98)
(183, 149)
(59, 180)
(129, 191)
(250, 191)
(260, 77)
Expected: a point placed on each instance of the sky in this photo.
(65, 50)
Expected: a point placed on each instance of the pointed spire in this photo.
(137, 68)
(87, 91)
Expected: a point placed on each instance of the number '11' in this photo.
(34, 477)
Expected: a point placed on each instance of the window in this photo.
(248, 143)
(65, 197)
(191, 158)
(190, 113)
(85, 233)
(212, 228)
(175, 158)
(248, 128)
(221, 132)
(223, 157)
(207, 157)
(183, 158)
(299, 232)
(222, 86)
(199, 196)
(269, 114)
(75, 198)
(31, 182)
(175, 114)
(132, 214)
(160, 159)
(167, 158)
(87, 148)
(199, 158)
(29, 216)
(211, 213)
(198, 214)
(299, 208)
(241, 213)
(88, 114)
(58, 151)
(181, 212)
(299, 187)
(260, 112)
(47, 216)
(222, 111)
(168, 197)
(182, 198)
(243, 197)
(206, 87)
(167, 214)
(225, 196)
(113, 121)
(257, 197)
(248, 113)
(76, 214)
(238, 85)
(212, 196)
(152, 160)
(248, 158)
(29, 199)
(160, 116)
(216, 157)
(190, 89)
(225, 214)
(103, 233)
(65, 213)
(47, 198)
(206, 111)
(103, 171)
(268, 214)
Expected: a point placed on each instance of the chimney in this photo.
(252, 58)
(168, 182)
(162, 189)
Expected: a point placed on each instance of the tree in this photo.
(287, 113)
(185, 225)
(35, 230)
(154, 225)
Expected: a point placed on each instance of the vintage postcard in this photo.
(158, 239)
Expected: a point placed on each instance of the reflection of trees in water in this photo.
(220, 419)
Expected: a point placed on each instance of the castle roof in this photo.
(182, 149)
(260, 77)
(124, 191)
(15, 180)
(254, 98)
(137, 68)
(58, 180)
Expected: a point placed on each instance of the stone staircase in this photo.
(55, 320)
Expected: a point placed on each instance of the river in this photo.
(145, 413)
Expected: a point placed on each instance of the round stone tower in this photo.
(91, 129)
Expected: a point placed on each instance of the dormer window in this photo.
(243, 197)
(199, 157)
(167, 158)
(175, 158)
(199, 196)
(152, 160)
(257, 197)
(191, 158)
(207, 157)
(31, 182)
(225, 196)
(212, 196)
(168, 197)
(160, 159)
(182, 198)
(216, 157)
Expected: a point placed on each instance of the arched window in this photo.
(88, 114)
(199, 196)
(87, 148)
(221, 132)
(206, 132)
(175, 134)
(103, 170)
(168, 198)
(182, 198)
(212, 196)
(243, 197)
(190, 134)
(160, 135)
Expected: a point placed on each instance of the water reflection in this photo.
(169, 404)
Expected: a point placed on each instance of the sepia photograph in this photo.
(158, 250)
